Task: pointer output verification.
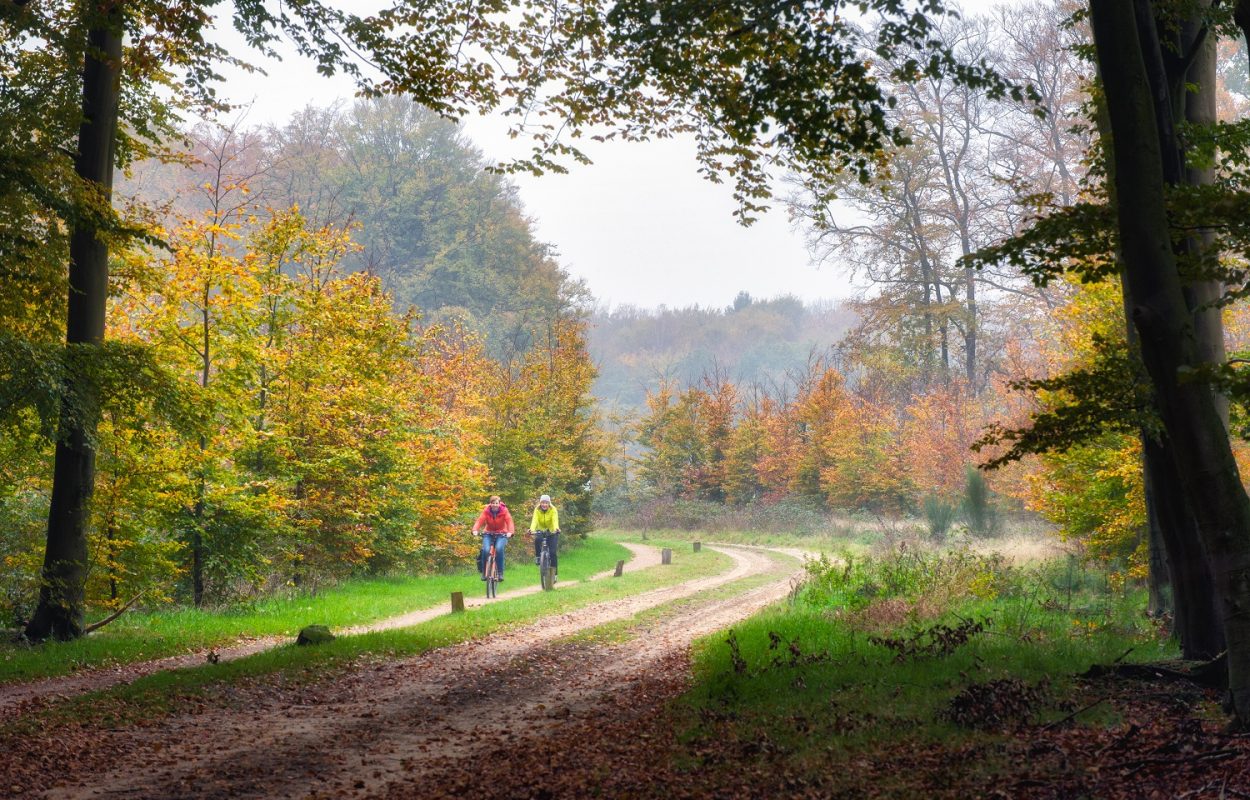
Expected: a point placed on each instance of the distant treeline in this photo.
(751, 341)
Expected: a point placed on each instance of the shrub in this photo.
(936, 579)
(978, 508)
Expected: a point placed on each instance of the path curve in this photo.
(90, 680)
(386, 729)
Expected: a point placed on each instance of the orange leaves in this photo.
(937, 437)
(690, 436)
(818, 440)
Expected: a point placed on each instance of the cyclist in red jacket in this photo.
(495, 527)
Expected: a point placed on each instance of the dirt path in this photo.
(644, 557)
(389, 729)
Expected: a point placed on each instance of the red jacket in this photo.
(495, 523)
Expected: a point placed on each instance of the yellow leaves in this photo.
(341, 433)
(984, 586)
(1094, 491)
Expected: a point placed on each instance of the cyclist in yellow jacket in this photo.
(545, 525)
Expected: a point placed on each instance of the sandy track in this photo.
(644, 557)
(387, 729)
(12, 695)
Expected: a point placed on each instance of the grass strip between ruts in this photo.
(623, 630)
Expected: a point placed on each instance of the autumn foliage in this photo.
(312, 431)
(820, 437)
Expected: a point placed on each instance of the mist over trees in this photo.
(444, 234)
(638, 350)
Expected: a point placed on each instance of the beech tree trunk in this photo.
(59, 613)
(1196, 619)
(1177, 558)
(1196, 434)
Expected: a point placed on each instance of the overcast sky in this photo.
(639, 225)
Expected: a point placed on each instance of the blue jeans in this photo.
(501, 541)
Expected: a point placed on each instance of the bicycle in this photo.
(490, 570)
(546, 574)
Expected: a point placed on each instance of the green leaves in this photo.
(51, 380)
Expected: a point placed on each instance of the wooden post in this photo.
(620, 567)
(666, 556)
(457, 602)
(697, 545)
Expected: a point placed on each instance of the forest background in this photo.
(352, 335)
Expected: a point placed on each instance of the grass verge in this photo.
(835, 542)
(144, 636)
(865, 671)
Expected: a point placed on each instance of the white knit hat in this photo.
(545, 499)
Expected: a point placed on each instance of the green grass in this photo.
(288, 665)
(144, 636)
(822, 693)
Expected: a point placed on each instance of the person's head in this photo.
(544, 502)
(495, 502)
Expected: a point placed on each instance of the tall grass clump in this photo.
(905, 584)
(939, 515)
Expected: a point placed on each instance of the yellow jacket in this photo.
(548, 520)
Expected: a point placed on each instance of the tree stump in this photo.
(666, 556)
(457, 602)
(620, 567)
(697, 546)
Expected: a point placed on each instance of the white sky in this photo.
(639, 224)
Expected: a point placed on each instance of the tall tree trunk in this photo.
(1197, 620)
(1158, 584)
(201, 498)
(1196, 616)
(62, 591)
(970, 333)
(1173, 527)
(1198, 88)
(111, 534)
(1196, 434)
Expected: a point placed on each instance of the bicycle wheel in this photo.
(545, 573)
(492, 575)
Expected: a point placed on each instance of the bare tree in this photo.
(956, 188)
